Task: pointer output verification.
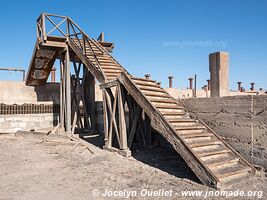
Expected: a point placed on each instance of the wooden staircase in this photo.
(214, 162)
(221, 161)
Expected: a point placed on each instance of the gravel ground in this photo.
(53, 167)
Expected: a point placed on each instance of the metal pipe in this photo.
(15, 70)
(195, 86)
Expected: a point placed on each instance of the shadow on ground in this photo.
(162, 156)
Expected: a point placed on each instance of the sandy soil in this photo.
(52, 167)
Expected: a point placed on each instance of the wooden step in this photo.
(167, 117)
(197, 127)
(215, 147)
(227, 173)
(205, 144)
(117, 73)
(116, 70)
(214, 153)
(147, 88)
(174, 119)
(111, 67)
(107, 62)
(219, 163)
(196, 135)
(168, 105)
(194, 140)
(101, 57)
(143, 79)
(175, 109)
(165, 99)
(234, 179)
(155, 94)
(156, 91)
(167, 113)
(146, 84)
(93, 51)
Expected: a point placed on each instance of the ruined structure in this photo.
(148, 105)
(219, 71)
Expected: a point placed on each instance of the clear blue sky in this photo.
(160, 37)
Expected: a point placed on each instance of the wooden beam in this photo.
(68, 91)
(147, 130)
(105, 116)
(133, 127)
(122, 121)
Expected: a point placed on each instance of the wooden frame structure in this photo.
(124, 120)
(130, 104)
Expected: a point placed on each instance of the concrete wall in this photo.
(13, 123)
(16, 92)
(231, 118)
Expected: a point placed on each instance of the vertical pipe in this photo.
(53, 75)
(195, 86)
(239, 87)
(23, 74)
(252, 86)
(170, 81)
(208, 84)
(190, 83)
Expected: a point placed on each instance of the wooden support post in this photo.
(62, 120)
(89, 96)
(114, 120)
(105, 116)
(122, 121)
(67, 91)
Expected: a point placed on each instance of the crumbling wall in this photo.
(233, 118)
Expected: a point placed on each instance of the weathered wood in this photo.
(113, 123)
(178, 143)
(68, 90)
(105, 116)
(133, 127)
(89, 96)
(147, 130)
(122, 121)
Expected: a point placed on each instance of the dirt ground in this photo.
(53, 167)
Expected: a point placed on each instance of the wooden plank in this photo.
(105, 116)
(122, 121)
(133, 127)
